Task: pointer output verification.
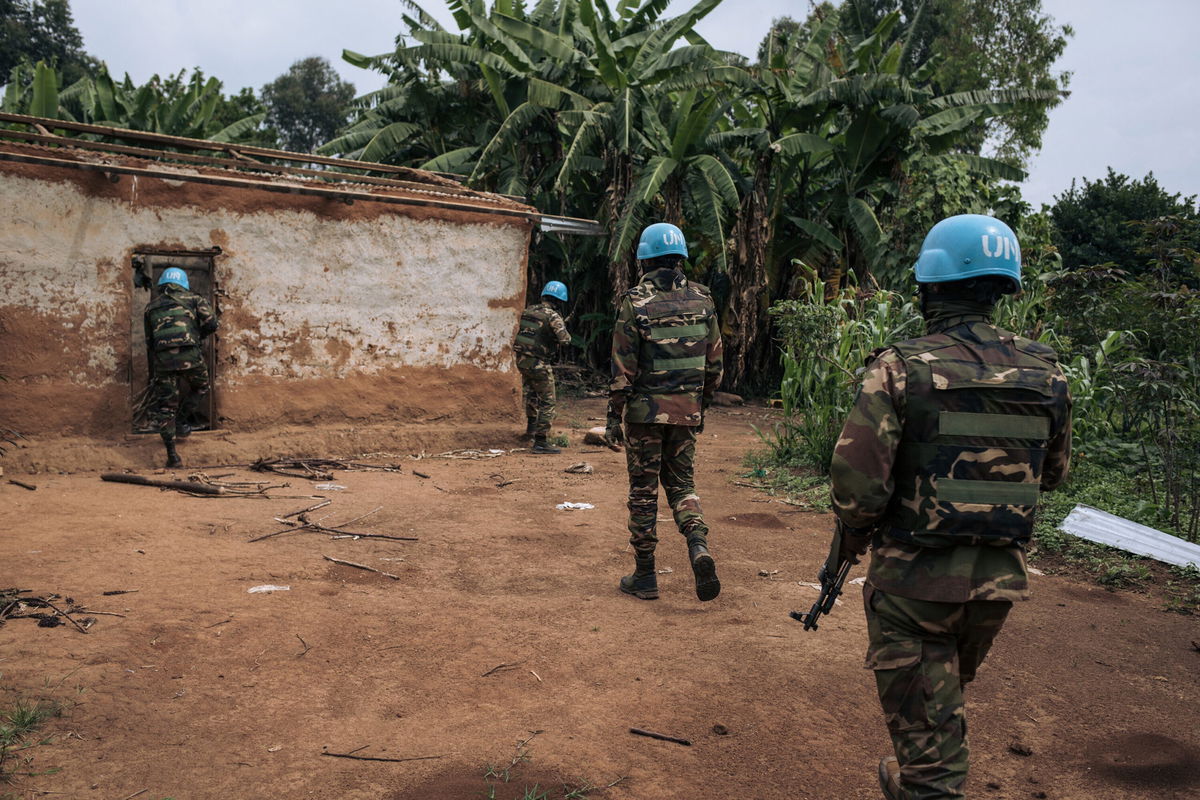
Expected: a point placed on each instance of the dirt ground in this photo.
(204, 690)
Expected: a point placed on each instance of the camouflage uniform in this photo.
(666, 364)
(541, 329)
(950, 440)
(176, 322)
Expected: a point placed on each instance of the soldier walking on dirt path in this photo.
(666, 365)
(176, 323)
(951, 439)
(542, 329)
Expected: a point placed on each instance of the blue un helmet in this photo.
(661, 239)
(969, 246)
(174, 275)
(556, 289)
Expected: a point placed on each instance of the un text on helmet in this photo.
(1005, 248)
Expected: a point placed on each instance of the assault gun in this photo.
(832, 575)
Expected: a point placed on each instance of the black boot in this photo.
(705, 569)
(530, 428)
(541, 445)
(643, 583)
(182, 430)
(173, 459)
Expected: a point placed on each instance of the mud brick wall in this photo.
(329, 312)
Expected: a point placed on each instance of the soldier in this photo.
(939, 467)
(542, 328)
(176, 323)
(666, 365)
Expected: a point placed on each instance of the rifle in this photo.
(832, 575)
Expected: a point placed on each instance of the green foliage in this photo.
(307, 104)
(967, 45)
(825, 342)
(178, 105)
(1092, 221)
(628, 116)
(42, 30)
(17, 723)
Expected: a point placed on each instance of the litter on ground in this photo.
(268, 587)
(574, 506)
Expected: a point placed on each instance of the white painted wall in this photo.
(304, 296)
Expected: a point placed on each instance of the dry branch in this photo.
(23, 485)
(664, 737)
(180, 486)
(361, 566)
(499, 667)
(377, 758)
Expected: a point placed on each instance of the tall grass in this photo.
(826, 340)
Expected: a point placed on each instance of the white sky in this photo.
(1135, 92)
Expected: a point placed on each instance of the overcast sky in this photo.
(1134, 104)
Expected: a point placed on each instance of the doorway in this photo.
(148, 266)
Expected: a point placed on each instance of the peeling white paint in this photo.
(302, 296)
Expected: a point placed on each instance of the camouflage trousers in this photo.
(666, 454)
(923, 653)
(537, 385)
(167, 403)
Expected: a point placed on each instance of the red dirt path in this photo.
(202, 691)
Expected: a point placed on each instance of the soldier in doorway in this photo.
(176, 321)
(666, 365)
(951, 440)
(542, 330)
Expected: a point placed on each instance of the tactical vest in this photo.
(172, 322)
(978, 418)
(673, 350)
(535, 336)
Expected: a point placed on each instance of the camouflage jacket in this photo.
(541, 329)
(176, 322)
(666, 351)
(950, 439)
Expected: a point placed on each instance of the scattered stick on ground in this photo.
(179, 486)
(317, 469)
(362, 566)
(472, 453)
(19, 604)
(377, 758)
(306, 647)
(321, 504)
(112, 592)
(420, 474)
(499, 667)
(662, 736)
(336, 531)
(23, 485)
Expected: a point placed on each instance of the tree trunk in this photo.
(622, 267)
(745, 323)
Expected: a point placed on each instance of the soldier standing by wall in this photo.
(666, 365)
(542, 328)
(176, 323)
(939, 467)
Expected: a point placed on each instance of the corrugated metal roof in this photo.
(1100, 526)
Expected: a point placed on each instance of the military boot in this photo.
(182, 430)
(704, 568)
(173, 459)
(542, 445)
(530, 428)
(643, 583)
(889, 778)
